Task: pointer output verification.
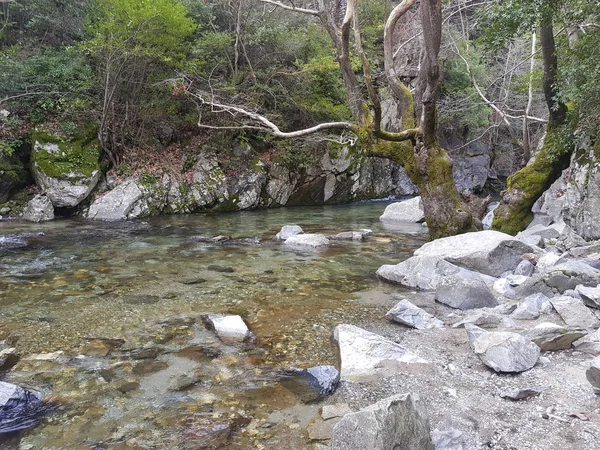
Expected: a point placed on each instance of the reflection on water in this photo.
(122, 302)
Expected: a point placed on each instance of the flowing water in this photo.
(107, 320)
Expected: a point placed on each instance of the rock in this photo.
(593, 374)
(424, 272)
(117, 204)
(525, 268)
(451, 439)
(504, 288)
(589, 344)
(230, 329)
(559, 278)
(67, 170)
(350, 235)
(19, 408)
(465, 293)
(575, 313)
(589, 295)
(406, 211)
(311, 384)
(489, 252)
(480, 319)
(552, 337)
(586, 250)
(531, 307)
(365, 354)
(521, 394)
(307, 240)
(39, 209)
(539, 230)
(569, 240)
(506, 351)
(410, 315)
(396, 422)
(322, 430)
(220, 269)
(548, 259)
(337, 410)
(288, 231)
(473, 332)
(8, 358)
(507, 308)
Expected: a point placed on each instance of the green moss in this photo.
(78, 154)
(528, 184)
(227, 204)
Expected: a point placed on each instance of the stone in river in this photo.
(19, 408)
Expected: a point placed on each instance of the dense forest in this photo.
(152, 80)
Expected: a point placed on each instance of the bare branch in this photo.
(312, 12)
(388, 50)
(267, 125)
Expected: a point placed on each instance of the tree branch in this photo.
(267, 125)
(312, 12)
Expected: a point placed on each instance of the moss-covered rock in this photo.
(67, 169)
(529, 183)
(13, 176)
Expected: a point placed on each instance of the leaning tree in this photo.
(416, 147)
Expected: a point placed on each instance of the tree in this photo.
(524, 187)
(130, 41)
(416, 147)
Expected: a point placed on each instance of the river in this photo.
(105, 317)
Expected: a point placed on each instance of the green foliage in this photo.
(459, 102)
(152, 28)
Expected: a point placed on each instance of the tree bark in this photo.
(529, 183)
(445, 212)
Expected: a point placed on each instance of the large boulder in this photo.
(117, 204)
(589, 295)
(506, 352)
(67, 170)
(364, 354)
(426, 272)
(412, 316)
(575, 196)
(406, 211)
(397, 422)
(39, 209)
(489, 252)
(19, 408)
(465, 293)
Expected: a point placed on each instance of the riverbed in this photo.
(106, 319)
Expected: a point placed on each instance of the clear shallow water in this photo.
(106, 293)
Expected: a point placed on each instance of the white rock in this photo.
(307, 240)
(410, 315)
(116, 204)
(364, 354)
(489, 252)
(230, 329)
(574, 312)
(424, 272)
(506, 351)
(288, 231)
(407, 211)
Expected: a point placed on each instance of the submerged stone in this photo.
(19, 408)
